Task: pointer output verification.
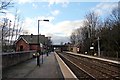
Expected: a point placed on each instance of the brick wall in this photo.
(34, 47)
(25, 45)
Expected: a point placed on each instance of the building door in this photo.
(21, 48)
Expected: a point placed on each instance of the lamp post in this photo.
(38, 62)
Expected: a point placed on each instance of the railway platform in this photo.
(52, 68)
(29, 69)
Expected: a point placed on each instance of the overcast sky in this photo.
(64, 15)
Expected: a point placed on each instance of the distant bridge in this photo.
(61, 47)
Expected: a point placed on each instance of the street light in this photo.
(39, 43)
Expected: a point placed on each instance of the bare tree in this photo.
(73, 38)
(78, 35)
(114, 31)
(92, 22)
(109, 34)
(16, 29)
(89, 37)
(5, 4)
(86, 35)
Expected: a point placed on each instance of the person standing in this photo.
(38, 58)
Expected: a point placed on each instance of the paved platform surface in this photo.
(29, 69)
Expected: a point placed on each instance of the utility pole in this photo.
(98, 47)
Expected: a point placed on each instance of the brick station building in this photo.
(30, 42)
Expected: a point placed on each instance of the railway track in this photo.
(90, 68)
